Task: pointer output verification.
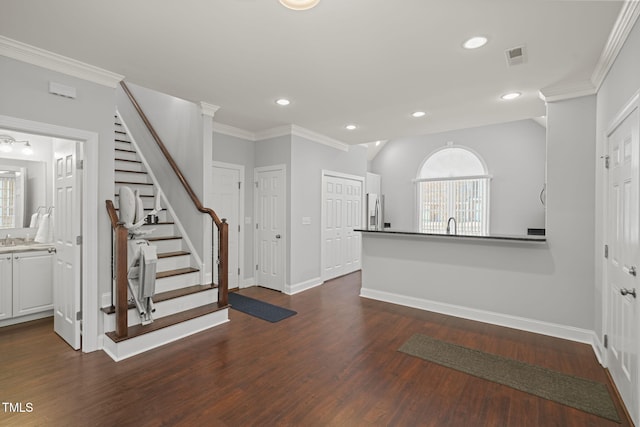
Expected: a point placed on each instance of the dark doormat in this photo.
(260, 309)
(580, 393)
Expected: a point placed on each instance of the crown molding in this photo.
(316, 137)
(233, 131)
(274, 132)
(565, 91)
(624, 23)
(54, 62)
(208, 109)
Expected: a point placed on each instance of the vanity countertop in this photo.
(25, 247)
(528, 238)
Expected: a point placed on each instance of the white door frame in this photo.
(241, 233)
(90, 211)
(326, 173)
(632, 104)
(285, 252)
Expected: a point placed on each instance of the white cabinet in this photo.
(25, 283)
(32, 287)
(6, 286)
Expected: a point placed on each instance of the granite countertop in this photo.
(515, 238)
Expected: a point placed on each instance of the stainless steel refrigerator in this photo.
(375, 211)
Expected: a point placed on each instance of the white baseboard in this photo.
(247, 282)
(303, 286)
(598, 349)
(530, 325)
(105, 300)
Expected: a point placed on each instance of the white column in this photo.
(208, 112)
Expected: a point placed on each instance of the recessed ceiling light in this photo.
(351, 127)
(418, 114)
(475, 42)
(378, 142)
(299, 4)
(283, 102)
(511, 95)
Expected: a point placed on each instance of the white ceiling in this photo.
(369, 62)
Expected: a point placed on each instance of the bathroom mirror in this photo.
(23, 185)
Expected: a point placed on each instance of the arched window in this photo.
(453, 183)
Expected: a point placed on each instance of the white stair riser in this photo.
(147, 202)
(162, 216)
(131, 347)
(146, 190)
(173, 263)
(160, 229)
(126, 155)
(130, 166)
(177, 282)
(167, 245)
(133, 177)
(122, 144)
(165, 308)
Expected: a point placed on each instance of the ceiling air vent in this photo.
(516, 55)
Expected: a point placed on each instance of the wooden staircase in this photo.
(183, 304)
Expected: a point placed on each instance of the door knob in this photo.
(625, 292)
(630, 270)
(277, 236)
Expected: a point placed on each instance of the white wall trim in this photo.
(233, 131)
(89, 274)
(208, 109)
(62, 64)
(564, 91)
(624, 23)
(530, 325)
(320, 139)
(248, 282)
(303, 286)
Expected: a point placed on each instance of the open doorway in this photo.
(74, 193)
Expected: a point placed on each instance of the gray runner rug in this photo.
(580, 393)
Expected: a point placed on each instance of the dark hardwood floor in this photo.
(333, 364)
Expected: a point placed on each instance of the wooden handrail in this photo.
(222, 225)
(120, 261)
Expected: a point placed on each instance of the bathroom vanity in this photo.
(26, 284)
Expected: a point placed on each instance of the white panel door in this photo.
(67, 229)
(270, 228)
(226, 203)
(342, 214)
(623, 234)
(353, 220)
(333, 227)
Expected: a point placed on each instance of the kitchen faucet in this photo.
(455, 225)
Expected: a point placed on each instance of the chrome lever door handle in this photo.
(625, 292)
(630, 270)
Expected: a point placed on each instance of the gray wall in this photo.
(513, 152)
(230, 149)
(308, 159)
(622, 82)
(24, 90)
(549, 282)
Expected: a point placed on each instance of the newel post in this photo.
(223, 265)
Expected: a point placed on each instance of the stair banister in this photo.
(120, 261)
(221, 224)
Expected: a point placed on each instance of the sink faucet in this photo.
(455, 226)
